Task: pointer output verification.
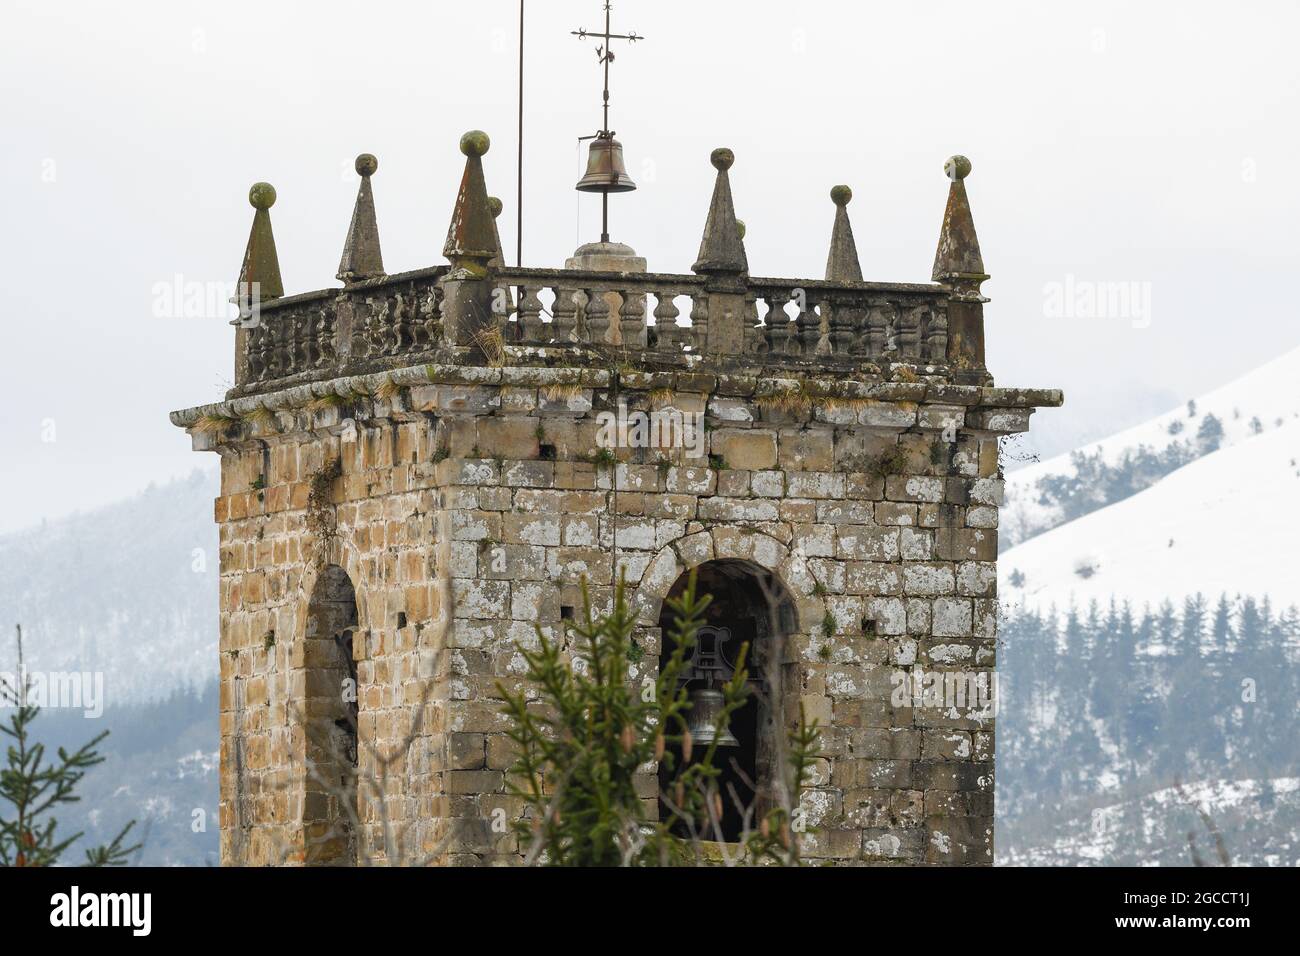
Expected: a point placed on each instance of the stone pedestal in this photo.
(611, 257)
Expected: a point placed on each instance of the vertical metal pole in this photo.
(519, 190)
(604, 197)
(607, 59)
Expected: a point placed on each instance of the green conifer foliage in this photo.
(586, 733)
(34, 788)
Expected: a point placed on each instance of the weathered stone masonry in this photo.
(851, 450)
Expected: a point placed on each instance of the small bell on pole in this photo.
(706, 707)
(606, 172)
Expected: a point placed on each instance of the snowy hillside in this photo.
(1222, 524)
(129, 590)
(1257, 821)
(1250, 406)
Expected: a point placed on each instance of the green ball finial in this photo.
(496, 205)
(740, 228)
(841, 195)
(261, 196)
(366, 164)
(957, 168)
(475, 143)
(722, 158)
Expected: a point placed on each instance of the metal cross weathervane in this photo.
(605, 55)
(605, 170)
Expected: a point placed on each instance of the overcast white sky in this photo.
(1152, 143)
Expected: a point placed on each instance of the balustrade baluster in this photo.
(631, 320)
(401, 336)
(364, 331)
(597, 313)
(699, 322)
(431, 318)
(290, 321)
(565, 311)
(270, 363)
(777, 322)
(909, 333)
(937, 337)
(891, 331)
(668, 332)
(844, 320)
(310, 350)
(383, 327)
(302, 331)
(326, 327)
(807, 326)
(532, 329)
(823, 328)
(392, 329)
(276, 365)
(256, 366)
(875, 334)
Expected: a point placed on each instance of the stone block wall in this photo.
(466, 512)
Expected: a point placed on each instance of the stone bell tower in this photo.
(417, 474)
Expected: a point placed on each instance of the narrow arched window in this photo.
(330, 809)
(748, 606)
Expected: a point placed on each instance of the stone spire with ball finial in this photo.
(471, 238)
(957, 261)
(259, 276)
(722, 251)
(842, 261)
(362, 258)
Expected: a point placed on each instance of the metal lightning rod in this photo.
(519, 184)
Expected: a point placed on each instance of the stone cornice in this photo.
(828, 397)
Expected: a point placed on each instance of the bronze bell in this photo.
(605, 170)
(706, 705)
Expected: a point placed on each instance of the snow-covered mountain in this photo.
(1114, 704)
(1245, 409)
(1224, 523)
(128, 590)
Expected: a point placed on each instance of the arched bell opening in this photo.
(330, 718)
(748, 605)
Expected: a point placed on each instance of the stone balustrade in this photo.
(368, 326)
(478, 312)
(662, 320)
